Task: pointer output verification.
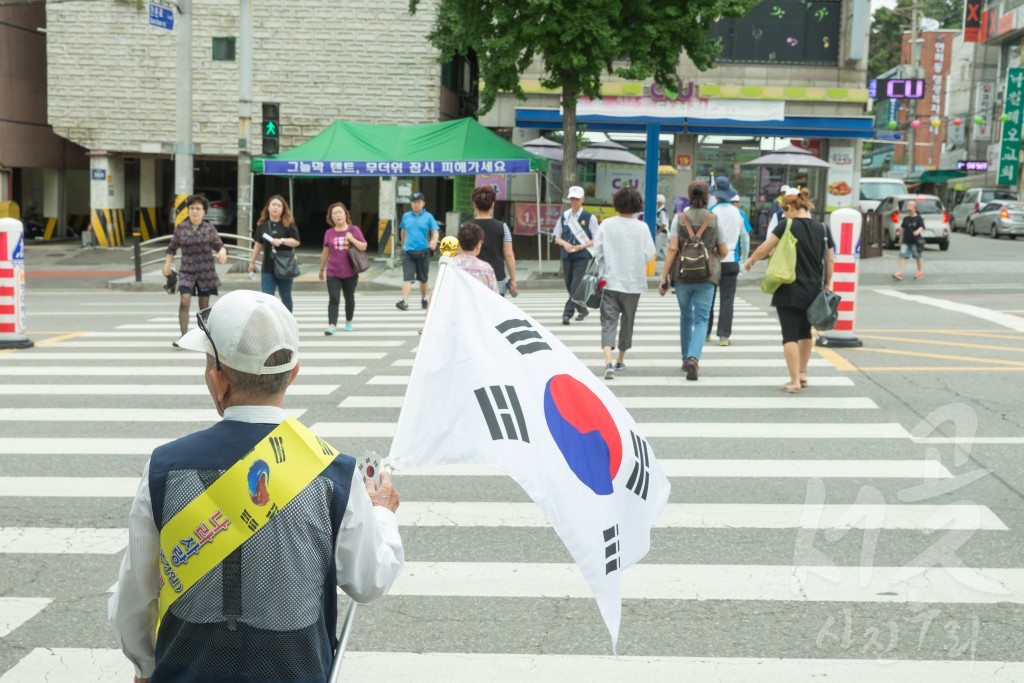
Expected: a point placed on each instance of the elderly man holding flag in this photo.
(491, 386)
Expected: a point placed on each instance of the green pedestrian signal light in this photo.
(271, 128)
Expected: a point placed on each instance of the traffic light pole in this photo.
(243, 224)
(183, 147)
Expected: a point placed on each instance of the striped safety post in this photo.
(846, 227)
(12, 285)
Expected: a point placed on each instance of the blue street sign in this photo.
(161, 17)
(885, 135)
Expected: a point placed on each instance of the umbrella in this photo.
(790, 155)
(609, 152)
(543, 147)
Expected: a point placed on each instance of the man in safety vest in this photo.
(240, 534)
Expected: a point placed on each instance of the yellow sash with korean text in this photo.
(236, 506)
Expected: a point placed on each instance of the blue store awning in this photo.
(850, 127)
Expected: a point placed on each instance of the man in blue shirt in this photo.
(419, 232)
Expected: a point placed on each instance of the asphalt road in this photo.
(869, 528)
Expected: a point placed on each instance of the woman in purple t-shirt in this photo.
(336, 266)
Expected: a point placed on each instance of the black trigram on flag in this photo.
(277, 444)
(521, 335)
(503, 414)
(640, 477)
(611, 549)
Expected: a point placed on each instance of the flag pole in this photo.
(448, 247)
(346, 631)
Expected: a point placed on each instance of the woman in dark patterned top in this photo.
(197, 274)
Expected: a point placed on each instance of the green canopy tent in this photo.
(460, 147)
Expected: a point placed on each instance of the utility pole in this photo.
(915, 61)
(243, 223)
(183, 147)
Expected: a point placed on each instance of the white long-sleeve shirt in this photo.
(626, 246)
(368, 554)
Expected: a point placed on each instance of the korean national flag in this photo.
(490, 385)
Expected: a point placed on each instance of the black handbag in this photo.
(286, 266)
(589, 293)
(823, 313)
(359, 260)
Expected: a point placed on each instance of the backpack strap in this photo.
(703, 226)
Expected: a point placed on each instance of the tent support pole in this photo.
(291, 193)
(651, 176)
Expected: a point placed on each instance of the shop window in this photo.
(224, 49)
(587, 174)
(782, 32)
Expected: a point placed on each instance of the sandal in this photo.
(790, 388)
(897, 276)
(803, 380)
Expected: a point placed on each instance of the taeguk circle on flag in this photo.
(584, 431)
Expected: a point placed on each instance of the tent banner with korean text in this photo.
(1009, 146)
(490, 385)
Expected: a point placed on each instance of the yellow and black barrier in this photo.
(180, 208)
(51, 227)
(108, 227)
(145, 222)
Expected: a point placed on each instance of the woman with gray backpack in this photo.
(693, 267)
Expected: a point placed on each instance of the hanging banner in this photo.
(526, 217)
(983, 96)
(610, 178)
(381, 168)
(636, 107)
(496, 181)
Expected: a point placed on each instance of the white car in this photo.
(222, 206)
(874, 190)
(930, 208)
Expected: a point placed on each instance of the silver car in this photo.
(971, 202)
(936, 220)
(998, 218)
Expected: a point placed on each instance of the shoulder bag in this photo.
(590, 291)
(286, 266)
(359, 260)
(782, 263)
(823, 313)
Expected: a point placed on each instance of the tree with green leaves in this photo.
(887, 26)
(577, 43)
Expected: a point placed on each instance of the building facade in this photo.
(319, 59)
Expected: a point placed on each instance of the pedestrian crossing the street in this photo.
(809, 536)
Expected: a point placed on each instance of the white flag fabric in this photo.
(491, 385)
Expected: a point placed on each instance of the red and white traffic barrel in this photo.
(12, 285)
(846, 230)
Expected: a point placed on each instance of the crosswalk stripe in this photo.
(315, 343)
(677, 380)
(118, 414)
(722, 430)
(594, 357)
(296, 389)
(673, 349)
(172, 354)
(640, 337)
(314, 334)
(125, 487)
(191, 370)
(666, 325)
(719, 582)
(16, 611)
(725, 516)
(91, 446)
(468, 667)
(62, 541)
(95, 665)
(675, 402)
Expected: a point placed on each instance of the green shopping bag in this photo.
(782, 263)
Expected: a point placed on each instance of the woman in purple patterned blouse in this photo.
(471, 239)
(197, 274)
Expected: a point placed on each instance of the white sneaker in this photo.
(609, 371)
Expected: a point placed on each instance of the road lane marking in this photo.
(149, 371)
(677, 402)
(943, 356)
(62, 541)
(16, 611)
(838, 362)
(674, 362)
(623, 380)
(1012, 322)
(934, 342)
(163, 389)
(176, 355)
(147, 415)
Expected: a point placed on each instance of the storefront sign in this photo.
(983, 107)
(976, 166)
(610, 178)
(840, 178)
(896, 88)
(496, 181)
(382, 168)
(634, 107)
(972, 20)
(526, 217)
(1009, 152)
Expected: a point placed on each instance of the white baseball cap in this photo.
(243, 329)
(661, 198)
(784, 189)
(790, 191)
(576, 192)
(737, 199)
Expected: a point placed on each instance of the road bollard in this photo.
(12, 285)
(846, 231)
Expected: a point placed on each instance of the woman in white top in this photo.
(626, 246)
